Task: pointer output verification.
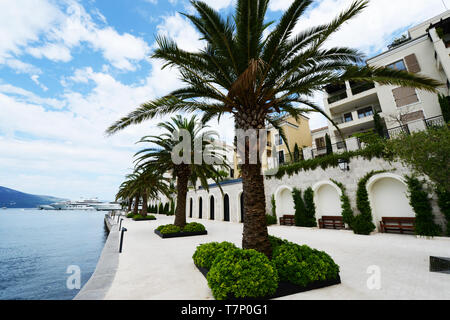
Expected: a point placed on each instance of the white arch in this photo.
(388, 197)
(284, 201)
(327, 201)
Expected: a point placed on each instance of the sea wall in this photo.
(103, 276)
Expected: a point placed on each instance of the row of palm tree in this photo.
(258, 78)
(153, 164)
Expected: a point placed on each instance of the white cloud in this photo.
(35, 79)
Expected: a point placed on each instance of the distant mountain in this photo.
(10, 198)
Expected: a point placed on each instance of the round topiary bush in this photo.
(206, 253)
(130, 215)
(302, 265)
(194, 227)
(242, 274)
(362, 225)
(170, 228)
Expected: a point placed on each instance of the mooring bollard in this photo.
(120, 225)
(121, 239)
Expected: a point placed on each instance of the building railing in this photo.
(361, 87)
(337, 96)
(435, 122)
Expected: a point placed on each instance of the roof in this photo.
(224, 183)
(320, 129)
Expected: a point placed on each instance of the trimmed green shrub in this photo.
(194, 227)
(206, 253)
(270, 220)
(328, 144)
(140, 217)
(276, 242)
(130, 215)
(302, 265)
(444, 205)
(274, 206)
(310, 208)
(362, 223)
(300, 210)
(166, 208)
(160, 208)
(170, 228)
(347, 211)
(242, 274)
(418, 199)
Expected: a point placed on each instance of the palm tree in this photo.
(160, 156)
(145, 184)
(256, 79)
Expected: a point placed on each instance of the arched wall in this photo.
(388, 196)
(327, 198)
(284, 201)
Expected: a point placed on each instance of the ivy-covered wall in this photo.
(359, 167)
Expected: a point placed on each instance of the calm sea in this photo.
(37, 247)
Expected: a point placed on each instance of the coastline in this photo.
(101, 280)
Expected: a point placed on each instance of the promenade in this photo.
(153, 268)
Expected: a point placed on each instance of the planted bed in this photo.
(173, 231)
(236, 274)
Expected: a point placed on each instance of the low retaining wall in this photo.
(100, 282)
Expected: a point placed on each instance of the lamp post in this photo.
(121, 239)
(343, 165)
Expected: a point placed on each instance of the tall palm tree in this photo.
(256, 79)
(160, 156)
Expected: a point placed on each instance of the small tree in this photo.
(310, 208)
(444, 101)
(379, 128)
(296, 153)
(300, 210)
(347, 211)
(161, 208)
(444, 205)
(328, 144)
(274, 206)
(419, 201)
(166, 208)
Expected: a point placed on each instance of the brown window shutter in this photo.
(404, 96)
(412, 64)
(412, 116)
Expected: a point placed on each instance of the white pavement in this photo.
(154, 268)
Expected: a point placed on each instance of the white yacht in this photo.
(83, 204)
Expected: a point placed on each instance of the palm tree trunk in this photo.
(136, 204)
(144, 204)
(255, 235)
(183, 174)
(130, 202)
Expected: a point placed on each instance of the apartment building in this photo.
(277, 151)
(352, 105)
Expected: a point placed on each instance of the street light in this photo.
(343, 165)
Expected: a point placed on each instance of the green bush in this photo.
(362, 223)
(444, 205)
(270, 220)
(206, 253)
(242, 274)
(310, 208)
(347, 211)
(160, 208)
(302, 265)
(130, 215)
(299, 206)
(168, 229)
(418, 199)
(140, 217)
(194, 227)
(166, 208)
(276, 242)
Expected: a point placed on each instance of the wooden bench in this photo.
(397, 224)
(287, 220)
(332, 222)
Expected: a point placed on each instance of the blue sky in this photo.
(69, 68)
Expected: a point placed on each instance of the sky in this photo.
(70, 68)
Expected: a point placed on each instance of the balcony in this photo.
(359, 87)
(336, 92)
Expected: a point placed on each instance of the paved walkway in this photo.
(154, 268)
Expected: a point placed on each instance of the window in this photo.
(399, 65)
(278, 140)
(281, 157)
(366, 112)
(348, 117)
(405, 96)
(320, 143)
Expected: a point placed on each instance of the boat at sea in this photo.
(83, 204)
